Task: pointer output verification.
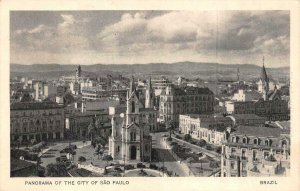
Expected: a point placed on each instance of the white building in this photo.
(211, 129)
(130, 139)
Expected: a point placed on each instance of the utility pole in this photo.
(124, 164)
(163, 166)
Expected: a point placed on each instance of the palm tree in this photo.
(170, 125)
(99, 151)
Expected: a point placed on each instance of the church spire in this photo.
(149, 83)
(132, 86)
(264, 76)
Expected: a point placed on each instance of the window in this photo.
(267, 142)
(132, 107)
(254, 155)
(243, 153)
(233, 139)
(255, 141)
(245, 140)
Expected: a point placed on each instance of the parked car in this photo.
(163, 169)
(140, 165)
(153, 166)
(129, 167)
(118, 169)
(200, 154)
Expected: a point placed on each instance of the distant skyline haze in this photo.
(140, 37)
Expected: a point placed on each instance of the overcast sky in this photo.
(109, 37)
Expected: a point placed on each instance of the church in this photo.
(130, 139)
(267, 87)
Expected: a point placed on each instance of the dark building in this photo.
(185, 100)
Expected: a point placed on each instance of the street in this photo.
(164, 154)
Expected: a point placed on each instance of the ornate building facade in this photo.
(256, 151)
(40, 121)
(189, 100)
(130, 138)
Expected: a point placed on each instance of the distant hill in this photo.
(186, 69)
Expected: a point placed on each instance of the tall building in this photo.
(265, 82)
(256, 151)
(185, 100)
(130, 138)
(78, 72)
(36, 121)
(150, 96)
(159, 85)
(212, 129)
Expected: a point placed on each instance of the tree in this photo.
(187, 137)
(56, 170)
(81, 159)
(107, 158)
(92, 130)
(213, 164)
(26, 98)
(99, 151)
(170, 127)
(201, 143)
(101, 140)
(68, 98)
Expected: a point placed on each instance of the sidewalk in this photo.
(182, 165)
(207, 152)
(91, 168)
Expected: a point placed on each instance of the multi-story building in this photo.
(242, 96)
(256, 151)
(188, 100)
(61, 90)
(39, 91)
(247, 119)
(36, 121)
(272, 110)
(212, 129)
(130, 138)
(96, 93)
(160, 85)
(75, 88)
(79, 123)
(49, 90)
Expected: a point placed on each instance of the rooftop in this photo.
(16, 164)
(33, 105)
(257, 131)
(246, 116)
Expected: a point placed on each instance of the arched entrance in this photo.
(132, 152)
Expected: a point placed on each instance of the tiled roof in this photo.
(33, 105)
(257, 131)
(16, 164)
(197, 90)
(215, 119)
(188, 91)
(274, 93)
(246, 116)
(249, 96)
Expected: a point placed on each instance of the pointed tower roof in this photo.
(149, 83)
(264, 76)
(132, 86)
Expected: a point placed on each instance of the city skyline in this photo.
(130, 37)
